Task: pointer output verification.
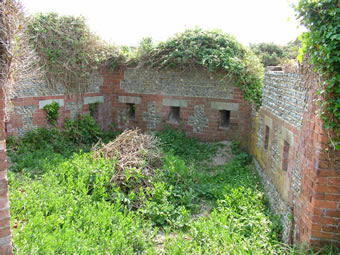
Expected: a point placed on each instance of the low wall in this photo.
(299, 171)
(198, 102)
(207, 107)
(293, 159)
(27, 105)
(317, 206)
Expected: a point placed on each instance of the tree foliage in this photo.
(321, 44)
(213, 50)
(272, 54)
(269, 53)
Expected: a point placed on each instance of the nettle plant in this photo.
(212, 49)
(321, 45)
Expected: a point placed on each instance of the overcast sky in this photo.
(126, 22)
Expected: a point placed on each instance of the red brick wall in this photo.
(318, 206)
(5, 231)
(102, 116)
(239, 124)
(311, 185)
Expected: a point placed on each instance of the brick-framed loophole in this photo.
(174, 114)
(224, 118)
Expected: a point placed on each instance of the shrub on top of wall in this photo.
(215, 51)
(67, 49)
(69, 53)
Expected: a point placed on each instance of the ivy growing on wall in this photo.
(212, 49)
(69, 53)
(321, 44)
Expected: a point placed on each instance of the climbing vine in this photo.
(18, 61)
(321, 44)
(215, 51)
(69, 53)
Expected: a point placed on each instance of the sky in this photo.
(126, 22)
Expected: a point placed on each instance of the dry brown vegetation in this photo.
(132, 151)
(17, 60)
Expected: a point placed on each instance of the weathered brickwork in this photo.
(283, 95)
(198, 97)
(278, 205)
(169, 83)
(5, 230)
(31, 96)
(299, 172)
(317, 206)
(37, 88)
(297, 168)
(199, 120)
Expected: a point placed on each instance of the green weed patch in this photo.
(64, 202)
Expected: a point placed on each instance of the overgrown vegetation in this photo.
(52, 111)
(272, 54)
(321, 45)
(68, 51)
(211, 49)
(17, 60)
(269, 53)
(189, 206)
(93, 108)
(29, 153)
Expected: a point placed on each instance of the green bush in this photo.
(52, 112)
(272, 54)
(68, 51)
(83, 130)
(28, 152)
(321, 46)
(213, 50)
(269, 53)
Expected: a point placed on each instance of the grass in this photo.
(62, 202)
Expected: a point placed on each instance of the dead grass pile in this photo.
(137, 157)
